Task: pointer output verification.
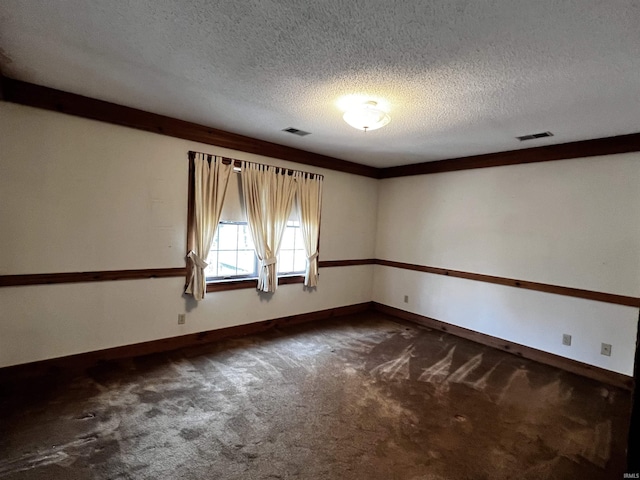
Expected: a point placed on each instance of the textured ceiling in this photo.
(460, 77)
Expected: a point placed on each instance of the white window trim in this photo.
(236, 278)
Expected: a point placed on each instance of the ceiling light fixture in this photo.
(366, 116)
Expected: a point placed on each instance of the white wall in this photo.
(572, 223)
(79, 195)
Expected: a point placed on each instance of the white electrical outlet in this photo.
(605, 349)
(566, 339)
(406, 299)
(182, 318)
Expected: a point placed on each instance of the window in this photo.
(292, 258)
(231, 259)
(232, 255)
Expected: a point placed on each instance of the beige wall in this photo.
(79, 195)
(572, 223)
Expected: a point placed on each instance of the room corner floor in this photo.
(358, 397)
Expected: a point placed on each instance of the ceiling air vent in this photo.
(295, 131)
(534, 136)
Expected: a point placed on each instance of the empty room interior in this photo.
(319, 240)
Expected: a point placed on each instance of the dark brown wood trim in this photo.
(238, 164)
(191, 216)
(98, 276)
(24, 93)
(84, 360)
(573, 366)
(253, 283)
(110, 275)
(346, 263)
(46, 98)
(563, 151)
(249, 283)
(540, 287)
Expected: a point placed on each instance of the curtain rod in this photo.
(238, 163)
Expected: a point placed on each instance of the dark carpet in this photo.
(358, 397)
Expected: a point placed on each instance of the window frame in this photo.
(254, 276)
(223, 284)
(221, 278)
(293, 272)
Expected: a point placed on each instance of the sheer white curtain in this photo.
(309, 204)
(268, 197)
(211, 180)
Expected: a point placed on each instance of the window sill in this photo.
(223, 285)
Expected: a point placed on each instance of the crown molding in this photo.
(31, 95)
(562, 151)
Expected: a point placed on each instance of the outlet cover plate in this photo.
(182, 318)
(566, 339)
(406, 299)
(605, 349)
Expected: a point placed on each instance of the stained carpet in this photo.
(358, 397)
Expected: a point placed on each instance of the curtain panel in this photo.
(268, 198)
(309, 205)
(211, 181)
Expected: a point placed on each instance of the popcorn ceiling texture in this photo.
(461, 77)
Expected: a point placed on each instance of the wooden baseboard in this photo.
(78, 362)
(81, 361)
(573, 366)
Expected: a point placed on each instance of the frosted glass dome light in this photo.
(366, 116)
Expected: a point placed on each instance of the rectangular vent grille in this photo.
(295, 131)
(534, 136)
